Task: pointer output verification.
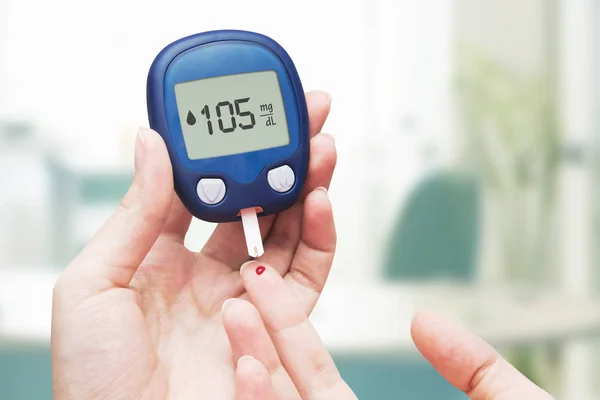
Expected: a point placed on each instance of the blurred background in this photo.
(467, 133)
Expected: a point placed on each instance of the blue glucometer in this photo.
(231, 110)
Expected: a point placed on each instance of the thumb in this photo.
(116, 251)
(469, 363)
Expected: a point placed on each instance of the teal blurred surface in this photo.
(25, 374)
(382, 377)
(435, 236)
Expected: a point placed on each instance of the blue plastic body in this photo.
(219, 53)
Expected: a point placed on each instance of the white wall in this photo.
(91, 60)
(410, 73)
(512, 31)
(578, 70)
(3, 33)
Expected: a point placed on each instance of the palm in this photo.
(173, 330)
(178, 321)
(162, 336)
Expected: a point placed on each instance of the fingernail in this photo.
(324, 190)
(140, 147)
(244, 265)
(227, 302)
(245, 358)
(260, 269)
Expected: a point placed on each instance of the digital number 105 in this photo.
(225, 111)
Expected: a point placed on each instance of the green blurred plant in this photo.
(510, 139)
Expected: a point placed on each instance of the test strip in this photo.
(252, 232)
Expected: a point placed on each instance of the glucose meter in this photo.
(232, 113)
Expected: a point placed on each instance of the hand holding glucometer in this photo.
(136, 313)
(232, 112)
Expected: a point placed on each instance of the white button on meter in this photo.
(211, 190)
(281, 179)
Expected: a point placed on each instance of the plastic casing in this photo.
(213, 54)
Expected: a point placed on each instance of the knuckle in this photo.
(247, 324)
(325, 371)
(293, 321)
(276, 370)
(153, 212)
(243, 317)
(127, 202)
(325, 378)
(302, 278)
(283, 240)
(482, 373)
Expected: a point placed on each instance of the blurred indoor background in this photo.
(467, 180)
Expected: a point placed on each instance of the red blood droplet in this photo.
(260, 270)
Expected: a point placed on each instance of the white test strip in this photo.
(252, 232)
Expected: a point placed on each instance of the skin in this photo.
(137, 315)
(272, 338)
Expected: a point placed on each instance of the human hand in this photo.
(138, 316)
(469, 363)
(272, 337)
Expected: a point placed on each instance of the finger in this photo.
(252, 381)
(313, 258)
(302, 353)
(116, 251)
(469, 363)
(322, 164)
(179, 220)
(282, 242)
(248, 336)
(226, 244)
(318, 104)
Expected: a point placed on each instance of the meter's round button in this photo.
(281, 179)
(211, 190)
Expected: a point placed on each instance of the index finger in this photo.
(302, 353)
(252, 381)
(469, 363)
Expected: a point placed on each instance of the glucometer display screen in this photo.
(232, 114)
